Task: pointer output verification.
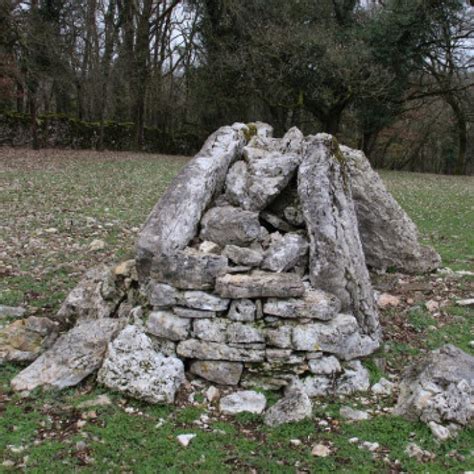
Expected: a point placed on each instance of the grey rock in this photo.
(212, 330)
(242, 310)
(317, 385)
(283, 255)
(294, 216)
(161, 295)
(315, 304)
(164, 346)
(243, 255)
(188, 269)
(276, 222)
(440, 432)
(230, 226)
(383, 387)
(349, 413)
(11, 311)
(73, 357)
(325, 366)
(240, 333)
(279, 337)
(354, 379)
(196, 349)
(265, 381)
(209, 247)
(294, 406)
(174, 221)
(284, 357)
(169, 326)
(245, 401)
(237, 183)
(389, 236)
(259, 285)
(183, 312)
(223, 373)
(439, 388)
(337, 262)
(132, 366)
(25, 339)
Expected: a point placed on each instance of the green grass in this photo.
(88, 196)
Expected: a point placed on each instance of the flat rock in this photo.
(230, 226)
(212, 330)
(315, 304)
(11, 311)
(325, 366)
(260, 285)
(243, 255)
(242, 310)
(196, 349)
(439, 387)
(169, 326)
(183, 312)
(220, 372)
(284, 254)
(245, 401)
(133, 367)
(24, 340)
(241, 333)
(73, 357)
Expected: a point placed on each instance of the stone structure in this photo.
(251, 270)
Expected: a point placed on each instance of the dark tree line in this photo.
(394, 79)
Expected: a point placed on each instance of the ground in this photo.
(55, 203)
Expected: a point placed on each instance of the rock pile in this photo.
(251, 270)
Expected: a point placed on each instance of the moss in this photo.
(250, 132)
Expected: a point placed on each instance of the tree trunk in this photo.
(461, 124)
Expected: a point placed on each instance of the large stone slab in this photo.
(229, 225)
(389, 237)
(73, 357)
(195, 349)
(221, 372)
(260, 285)
(285, 253)
(174, 220)
(315, 304)
(132, 366)
(337, 262)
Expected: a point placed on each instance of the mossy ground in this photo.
(54, 203)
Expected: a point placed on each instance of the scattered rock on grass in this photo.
(321, 451)
(354, 415)
(383, 387)
(185, 439)
(11, 311)
(244, 401)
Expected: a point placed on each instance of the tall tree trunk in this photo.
(461, 125)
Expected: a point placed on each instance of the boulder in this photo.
(439, 388)
(230, 226)
(245, 401)
(389, 237)
(259, 285)
(133, 367)
(284, 254)
(315, 304)
(221, 372)
(25, 339)
(73, 357)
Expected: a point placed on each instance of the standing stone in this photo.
(230, 226)
(242, 310)
(337, 262)
(389, 237)
(284, 254)
(174, 220)
(73, 357)
(169, 326)
(245, 401)
(133, 367)
(223, 373)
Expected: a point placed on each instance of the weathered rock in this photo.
(243, 255)
(337, 262)
(240, 333)
(383, 387)
(317, 385)
(188, 269)
(73, 357)
(244, 401)
(439, 388)
(283, 255)
(389, 237)
(209, 247)
(354, 379)
(294, 216)
(96, 296)
(315, 304)
(133, 367)
(259, 285)
(242, 310)
(279, 337)
(349, 413)
(339, 336)
(285, 357)
(277, 222)
(325, 366)
(25, 339)
(230, 226)
(195, 349)
(11, 311)
(174, 220)
(212, 394)
(212, 330)
(164, 346)
(294, 406)
(193, 313)
(169, 326)
(223, 373)
(439, 431)
(161, 295)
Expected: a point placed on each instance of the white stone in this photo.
(96, 245)
(245, 401)
(284, 254)
(354, 379)
(439, 431)
(185, 439)
(325, 366)
(383, 387)
(212, 394)
(321, 451)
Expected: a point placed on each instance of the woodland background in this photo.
(393, 77)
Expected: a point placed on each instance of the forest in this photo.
(392, 78)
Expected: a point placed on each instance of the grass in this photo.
(55, 203)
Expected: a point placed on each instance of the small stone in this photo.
(183, 312)
(353, 440)
(51, 230)
(414, 451)
(212, 394)
(245, 401)
(321, 451)
(325, 366)
(432, 306)
(185, 439)
(242, 310)
(212, 330)
(295, 442)
(223, 373)
(96, 245)
(383, 387)
(349, 413)
(385, 300)
(243, 255)
(279, 337)
(8, 463)
(125, 269)
(468, 302)
(203, 350)
(283, 255)
(209, 247)
(100, 401)
(354, 379)
(169, 326)
(240, 333)
(11, 311)
(439, 431)
(372, 447)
